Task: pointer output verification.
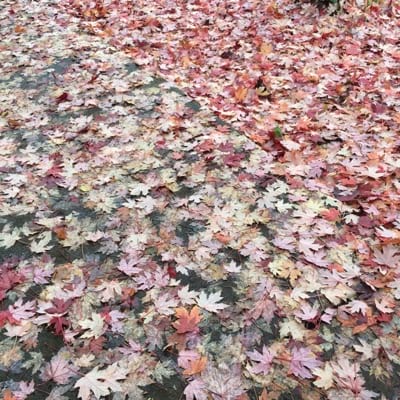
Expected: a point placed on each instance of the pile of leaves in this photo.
(151, 251)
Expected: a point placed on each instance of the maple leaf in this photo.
(331, 214)
(364, 348)
(196, 390)
(8, 280)
(325, 377)
(263, 360)
(389, 256)
(59, 369)
(21, 311)
(59, 323)
(41, 245)
(127, 266)
(164, 304)
(9, 237)
(95, 326)
(187, 321)
(25, 389)
(187, 296)
(293, 328)
(385, 305)
(286, 243)
(59, 306)
(195, 366)
(307, 245)
(109, 290)
(101, 383)
(185, 357)
(388, 235)
(6, 317)
(317, 258)
(232, 267)
(96, 345)
(346, 376)
(40, 275)
(8, 395)
(210, 303)
(307, 312)
(356, 306)
(303, 361)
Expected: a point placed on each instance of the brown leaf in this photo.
(60, 232)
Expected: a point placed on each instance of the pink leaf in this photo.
(59, 370)
(196, 390)
(308, 313)
(263, 360)
(303, 361)
(25, 389)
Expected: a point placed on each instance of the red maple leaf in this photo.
(331, 215)
(60, 306)
(233, 160)
(59, 323)
(9, 279)
(6, 316)
(96, 345)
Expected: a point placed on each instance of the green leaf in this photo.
(278, 132)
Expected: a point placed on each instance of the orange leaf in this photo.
(196, 366)
(335, 266)
(187, 321)
(19, 29)
(60, 232)
(241, 93)
(260, 139)
(266, 48)
(223, 238)
(7, 395)
(186, 61)
(331, 215)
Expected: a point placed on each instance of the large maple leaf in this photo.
(210, 302)
(59, 369)
(187, 321)
(101, 383)
(196, 389)
(303, 361)
(263, 360)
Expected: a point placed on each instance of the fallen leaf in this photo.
(187, 321)
(196, 366)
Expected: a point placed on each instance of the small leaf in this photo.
(278, 132)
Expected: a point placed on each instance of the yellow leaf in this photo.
(281, 266)
(293, 329)
(266, 48)
(85, 188)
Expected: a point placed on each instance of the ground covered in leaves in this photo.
(235, 240)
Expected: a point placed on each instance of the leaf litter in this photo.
(150, 250)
